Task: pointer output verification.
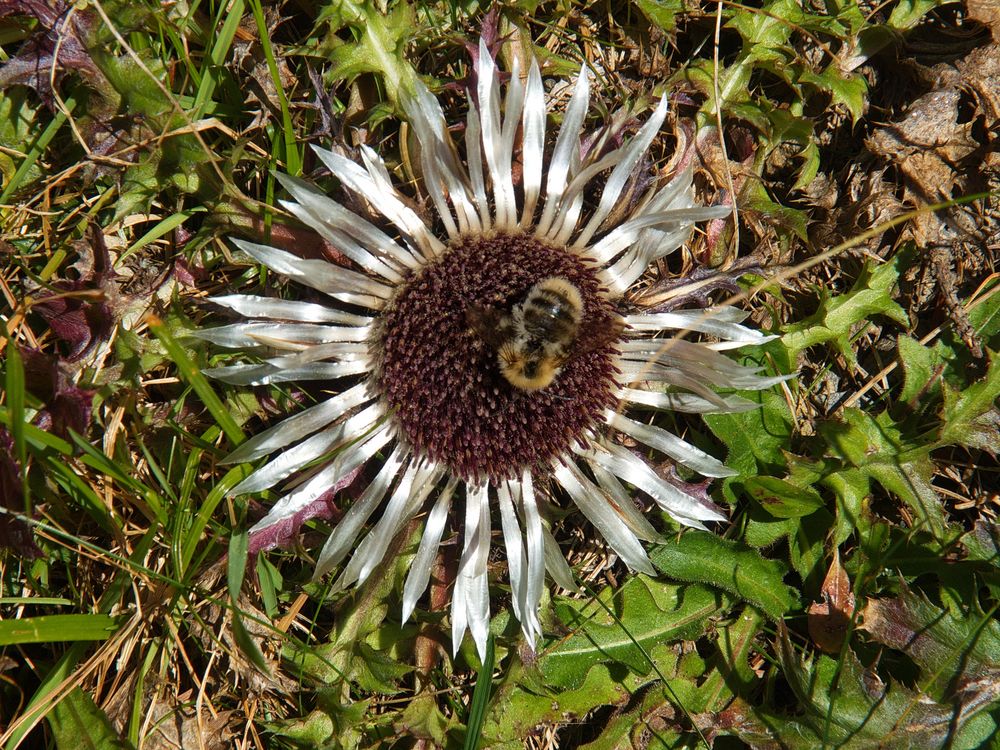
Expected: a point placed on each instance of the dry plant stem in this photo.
(718, 124)
(944, 272)
(427, 649)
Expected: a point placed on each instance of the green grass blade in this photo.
(220, 51)
(57, 629)
(293, 162)
(211, 502)
(192, 375)
(162, 227)
(37, 149)
(480, 699)
(15, 387)
(236, 564)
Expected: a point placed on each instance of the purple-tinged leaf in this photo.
(947, 647)
(79, 322)
(79, 312)
(283, 531)
(15, 534)
(59, 47)
(66, 406)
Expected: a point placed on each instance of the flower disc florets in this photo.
(441, 379)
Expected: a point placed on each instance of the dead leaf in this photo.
(987, 12)
(830, 618)
(947, 145)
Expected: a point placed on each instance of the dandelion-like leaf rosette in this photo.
(421, 404)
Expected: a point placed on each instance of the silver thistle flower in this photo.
(420, 397)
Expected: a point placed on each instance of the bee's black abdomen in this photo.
(551, 311)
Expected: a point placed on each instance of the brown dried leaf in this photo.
(979, 74)
(830, 619)
(987, 12)
(928, 144)
(174, 725)
(947, 145)
(938, 145)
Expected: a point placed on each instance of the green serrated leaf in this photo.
(662, 13)
(983, 543)
(139, 187)
(846, 706)
(733, 87)
(422, 719)
(919, 365)
(971, 416)
(755, 438)
(949, 649)
(877, 447)
(770, 28)
(807, 544)
(835, 320)
(755, 198)
(730, 566)
(376, 671)
(380, 48)
(848, 90)
(731, 674)
(517, 713)
(361, 620)
(849, 14)
(851, 488)
(810, 165)
(630, 726)
(806, 537)
(335, 726)
(644, 612)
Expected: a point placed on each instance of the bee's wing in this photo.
(489, 323)
(593, 340)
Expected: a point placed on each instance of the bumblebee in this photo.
(537, 337)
